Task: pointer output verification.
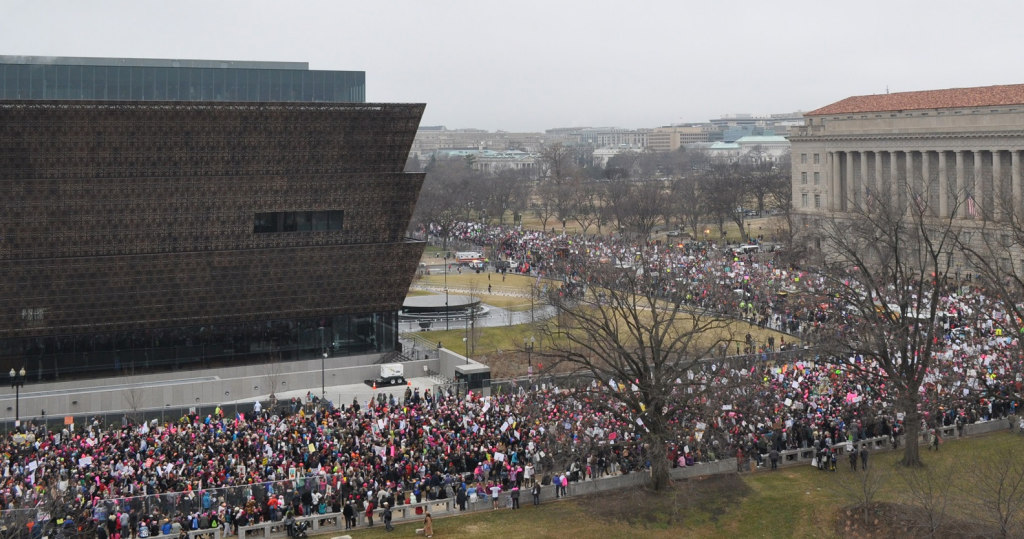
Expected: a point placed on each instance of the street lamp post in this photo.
(446, 328)
(17, 381)
(323, 361)
(528, 346)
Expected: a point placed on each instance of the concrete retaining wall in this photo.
(192, 388)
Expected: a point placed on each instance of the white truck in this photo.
(392, 374)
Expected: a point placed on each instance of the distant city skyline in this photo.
(538, 65)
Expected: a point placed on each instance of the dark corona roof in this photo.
(983, 96)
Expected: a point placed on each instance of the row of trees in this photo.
(633, 194)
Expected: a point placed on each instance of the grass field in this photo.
(799, 502)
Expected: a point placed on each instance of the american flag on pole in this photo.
(918, 201)
(972, 207)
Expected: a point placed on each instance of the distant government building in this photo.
(162, 214)
(958, 149)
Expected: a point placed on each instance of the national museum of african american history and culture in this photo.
(162, 214)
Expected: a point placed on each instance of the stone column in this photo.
(849, 195)
(961, 185)
(894, 178)
(976, 190)
(876, 188)
(943, 186)
(997, 186)
(1015, 183)
(836, 192)
(909, 187)
(926, 183)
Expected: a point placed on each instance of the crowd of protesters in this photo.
(310, 458)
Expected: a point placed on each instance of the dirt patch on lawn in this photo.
(643, 507)
(893, 520)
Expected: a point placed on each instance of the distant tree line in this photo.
(635, 193)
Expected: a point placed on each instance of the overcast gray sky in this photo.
(530, 65)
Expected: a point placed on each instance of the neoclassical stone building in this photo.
(956, 150)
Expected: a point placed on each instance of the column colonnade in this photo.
(961, 183)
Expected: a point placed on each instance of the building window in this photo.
(817, 159)
(297, 221)
(803, 159)
(817, 178)
(803, 200)
(817, 201)
(803, 178)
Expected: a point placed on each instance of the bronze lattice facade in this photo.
(136, 235)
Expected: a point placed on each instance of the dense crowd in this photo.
(309, 458)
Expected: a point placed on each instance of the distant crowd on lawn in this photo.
(308, 457)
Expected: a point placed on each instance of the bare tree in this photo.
(931, 490)
(556, 162)
(722, 193)
(620, 331)
(503, 192)
(445, 196)
(765, 178)
(544, 203)
(888, 260)
(585, 212)
(685, 199)
(645, 205)
(862, 488)
(998, 495)
(133, 399)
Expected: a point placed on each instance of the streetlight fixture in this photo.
(446, 328)
(528, 346)
(323, 360)
(17, 382)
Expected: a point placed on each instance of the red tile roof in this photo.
(984, 96)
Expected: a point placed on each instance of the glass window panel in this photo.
(304, 220)
(252, 85)
(318, 86)
(265, 222)
(159, 84)
(290, 224)
(60, 82)
(149, 83)
(172, 80)
(294, 86)
(76, 83)
(208, 87)
(335, 219)
(275, 85)
(220, 84)
(124, 83)
(137, 82)
(36, 84)
(231, 85)
(24, 84)
(49, 87)
(264, 81)
(320, 220)
(305, 79)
